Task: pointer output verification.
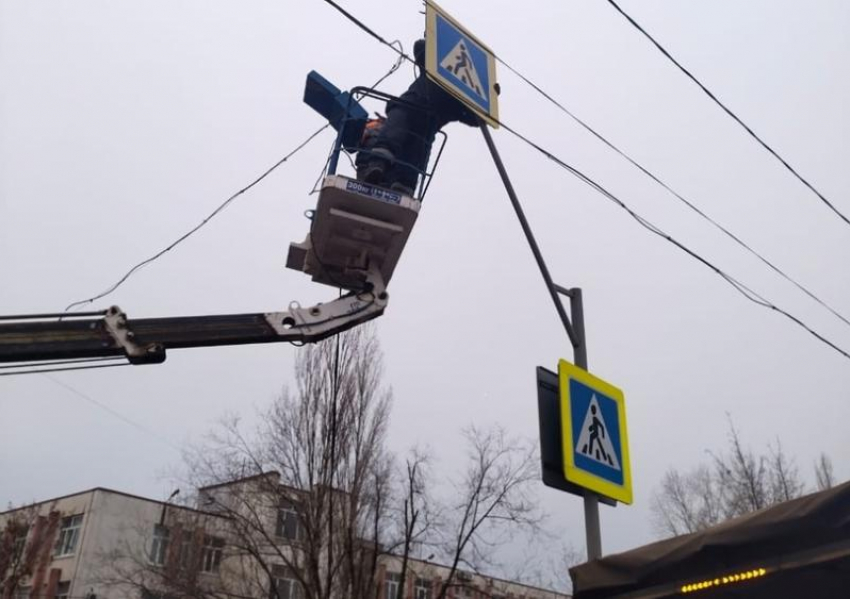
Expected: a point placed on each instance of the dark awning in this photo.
(797, 548)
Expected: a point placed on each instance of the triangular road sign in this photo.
(594, 441)
(460, 64)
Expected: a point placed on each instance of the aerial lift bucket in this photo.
(356, 227)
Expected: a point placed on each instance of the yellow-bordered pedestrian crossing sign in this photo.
(461, 64)
(594, 433)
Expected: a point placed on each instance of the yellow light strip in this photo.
(723, 580)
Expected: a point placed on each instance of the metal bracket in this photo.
(115, 323)
(323, 320)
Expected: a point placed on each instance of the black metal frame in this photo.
(369, 92)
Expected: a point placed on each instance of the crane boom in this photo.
(145, 340)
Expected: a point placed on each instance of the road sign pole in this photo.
(577, 314)
(593, 532)
(575, 331)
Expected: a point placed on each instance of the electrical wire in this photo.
(746, 291)
(60, 362)
(186, 235)
(728, 111)
(65, 369)
(743, 289)
(397, 65)
(676, 194)
(70, 364)
(369, 30)
(112, 412)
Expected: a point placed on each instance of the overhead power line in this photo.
(112, 412)
(743, 289)
(729, 112)
(368, 30)
(61, 366)
(676, 194)
(195, 229)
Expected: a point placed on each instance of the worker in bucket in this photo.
(398, 152)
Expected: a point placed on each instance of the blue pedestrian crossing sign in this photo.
(594, 435)
(461, 64)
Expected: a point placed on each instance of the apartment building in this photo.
(89, 545)
(105, 544)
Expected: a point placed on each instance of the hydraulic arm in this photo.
(46, 338)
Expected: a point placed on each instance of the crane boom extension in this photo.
(145, 341)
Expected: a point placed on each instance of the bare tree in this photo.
(326, 442)
(567, 557)
(743, 478)
(546, 561)
(687, 502)
(735, 482)
(414, 519)
(14, 567)
(310, 501)
(27, 535)
(493, 500)
(824, 477)
(783, 476)
(300, 502)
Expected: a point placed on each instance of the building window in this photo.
(63, 590)
(289, 522)
(69, 533)
(422, 589)
(159, 546)
(286, 588)
(391, 586)
(211, 555)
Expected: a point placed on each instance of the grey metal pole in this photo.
(577, 313)
(593, 532)
(550, 285)
(575, 331)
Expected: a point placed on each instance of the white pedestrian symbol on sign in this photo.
(594, 441)
(459, 63)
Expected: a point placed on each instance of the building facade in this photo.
(105, 544)
(89, 544)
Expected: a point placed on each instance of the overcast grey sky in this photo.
(122, 124)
